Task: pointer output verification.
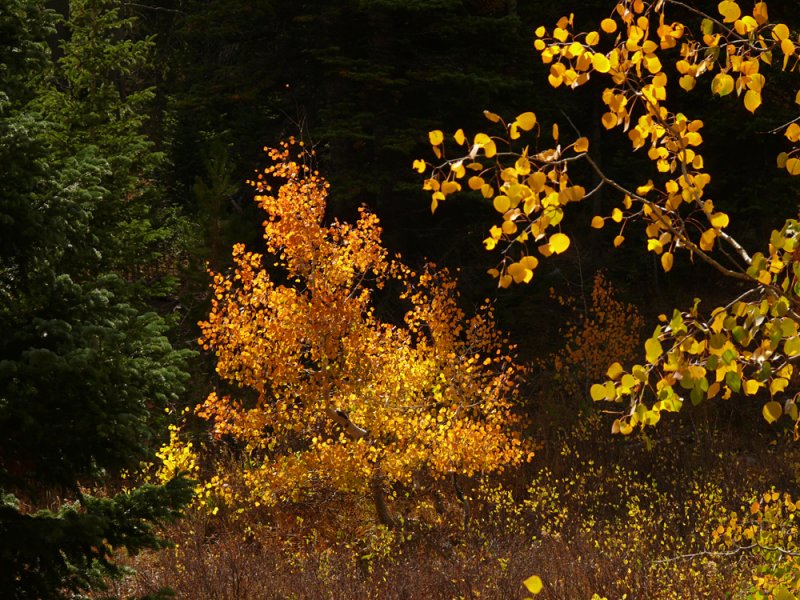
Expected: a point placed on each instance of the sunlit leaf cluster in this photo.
(639, 52)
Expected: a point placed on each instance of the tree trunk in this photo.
(378, 497)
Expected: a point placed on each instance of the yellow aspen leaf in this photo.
(559, 243)
(501, 203)
(574, 193)
(722, 84)
(526, 121)
(529, 262)
(788, 47)
(475, 182)
(707, 240)
(764, 277)
(616, 215)
(751, 387)
(450, 187)
(777, 385)
(609, 120)
(666, 261)
(575, 49)
(608, 25)
(436, 137)
(652, 64)
(598, 222)
(555, 131)
(772, 411)
(792, 346)
(642, 190)
(555, 80)
(419, 166)
(614, 371)
(793, 132)
(719, 220)
(797, 98)
(756, 82)
(687, 82)
(654, 246)
(509, 227)
(560, 34)
(460, 137)
(730, 10)
(493, 117)
(653, 350)
(533, 584)
(618, 241)
(713, 390)
(625, 428)
(539, 45)
(505, 281)
(519, 273)
(490, 243)
(582, 143)
(781, 159)
(745, 25)
(780, 32)
(592, 38)
(540, 31)
(597, 392)
(600, 63)
(490, 149)
(793, 166)
(760, 13)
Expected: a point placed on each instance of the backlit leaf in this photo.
(533, 584)
(752, 100)
(722, 84)
(772, 411)
(600, 63)
(608, 25)
(653, 350)
(559, 243)
(666, 261)
(526, 121)
(614, 371)
(730, 10)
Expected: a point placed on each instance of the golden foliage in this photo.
(744, 347)
(606, 330)
(333, 397)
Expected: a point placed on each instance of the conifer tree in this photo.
(82, 364)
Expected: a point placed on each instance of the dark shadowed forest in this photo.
(399, 299)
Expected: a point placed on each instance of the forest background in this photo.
(129, 131)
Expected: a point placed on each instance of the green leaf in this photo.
(733, 381)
